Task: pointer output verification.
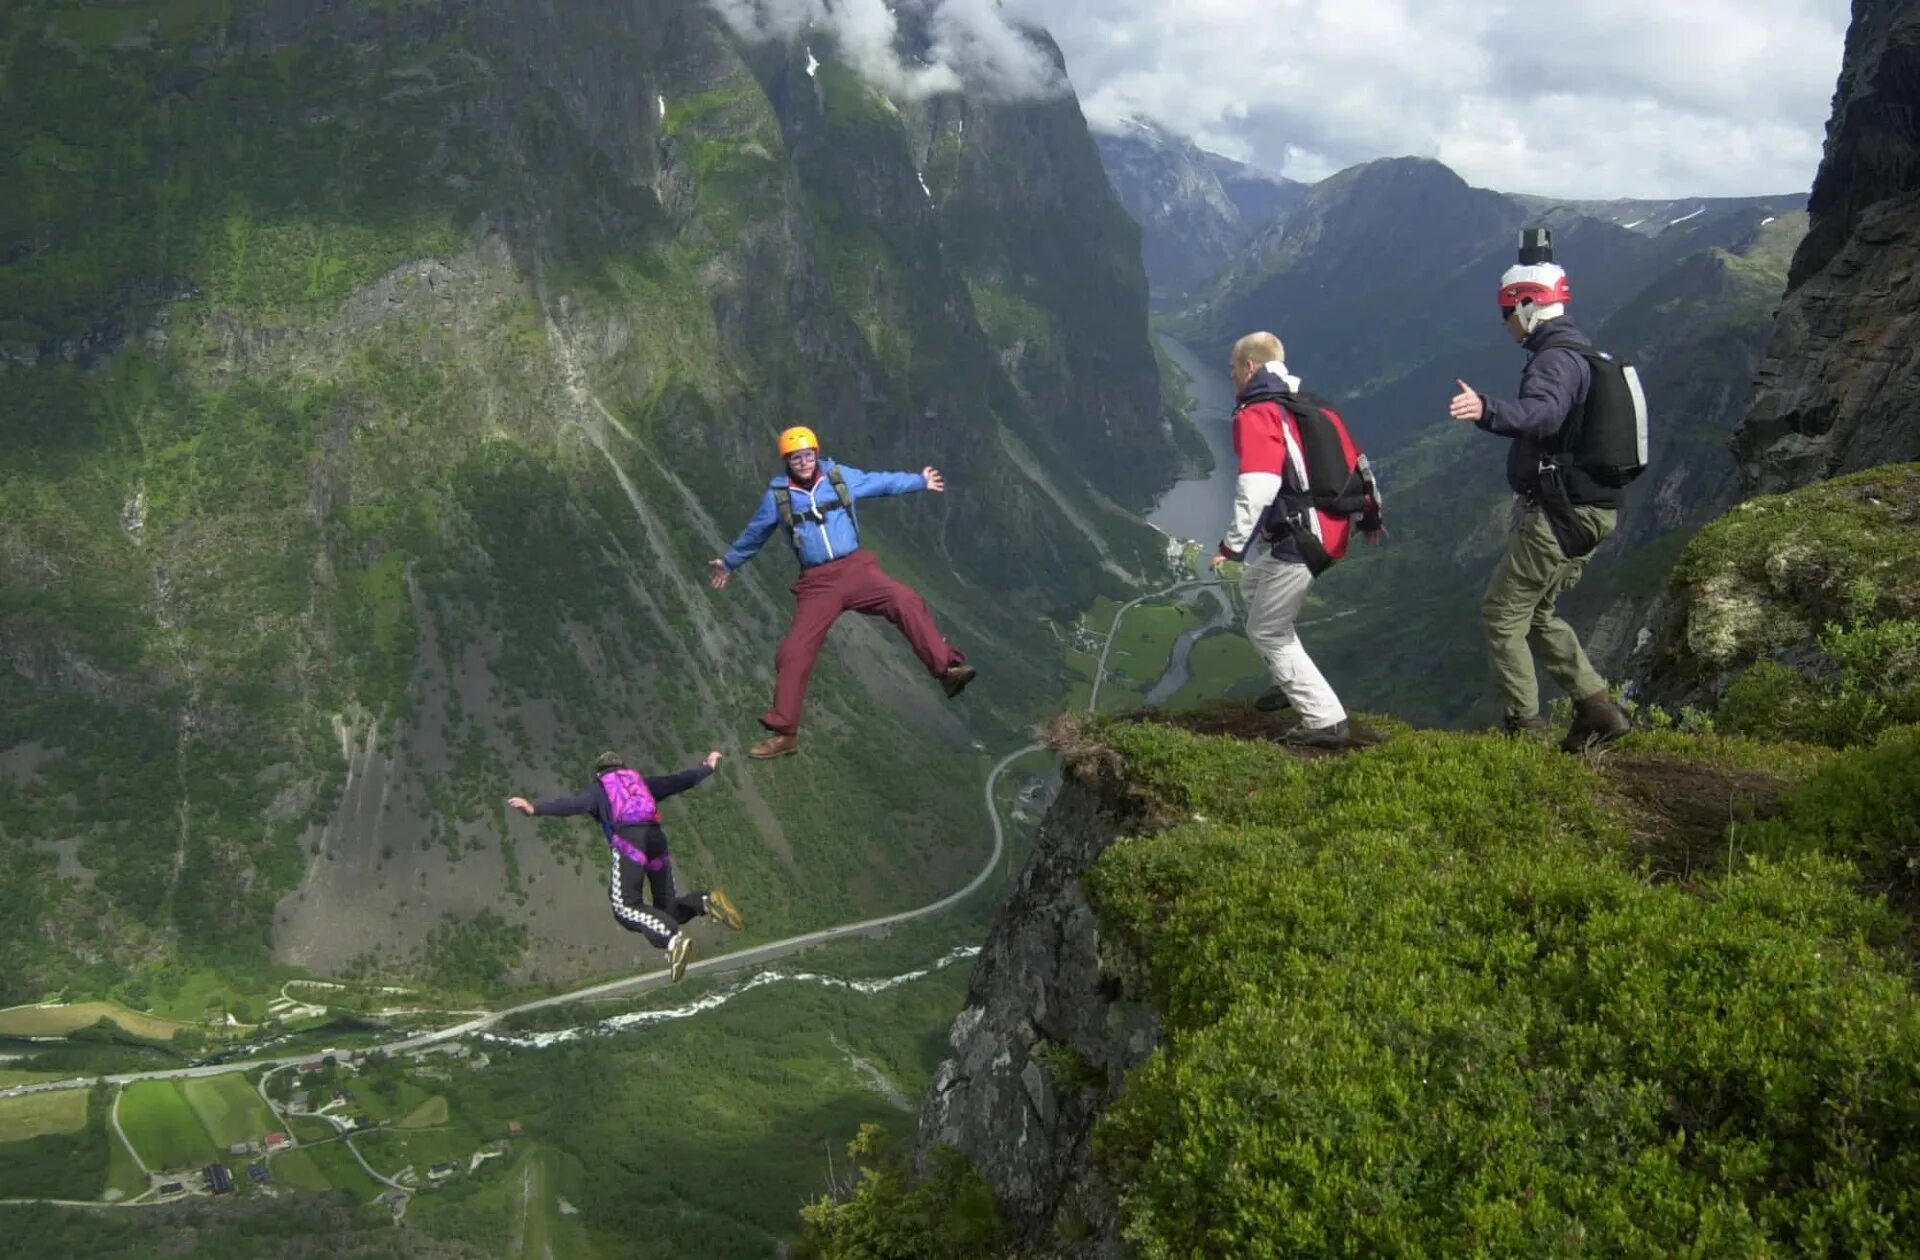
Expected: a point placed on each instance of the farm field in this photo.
(335, 1163)
(123, 1173)
(427, 1115)
(163, 1126)
(58, 1021)
(229, 1108)
(35, 1115)
(297, 1170)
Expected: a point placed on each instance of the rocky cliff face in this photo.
(1195, 209)
(1056, 1017)
(378, 380)
(1836, 392)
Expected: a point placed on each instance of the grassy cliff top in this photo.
(1456, 993)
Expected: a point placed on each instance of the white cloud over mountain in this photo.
(1585, 98)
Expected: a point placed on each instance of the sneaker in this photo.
(677, 951)
(775, 746)
(721, 907)
(1534, 728)
(1334, 736)
(1597, 722)
(1273, 700)
(955, 679)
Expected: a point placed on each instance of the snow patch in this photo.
(813, 65)
(1683, 218)
(1630, 226)
(663, 108)
(1766, 221)
(923, 185)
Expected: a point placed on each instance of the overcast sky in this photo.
(1579, 98)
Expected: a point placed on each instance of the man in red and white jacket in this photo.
(1267, 440)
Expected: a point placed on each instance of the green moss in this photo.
(1776, 569)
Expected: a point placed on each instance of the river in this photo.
(1199, 509)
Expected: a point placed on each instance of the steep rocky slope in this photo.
(378, 379)
(1837, 391)
(1195, 209)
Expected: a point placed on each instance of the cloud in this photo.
(969, 45)
(1590, 98)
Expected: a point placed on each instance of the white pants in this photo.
(1274, 591)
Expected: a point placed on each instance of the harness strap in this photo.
(783, 501)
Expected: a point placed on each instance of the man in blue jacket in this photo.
(813, 500)
(1518, 609)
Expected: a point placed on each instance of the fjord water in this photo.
(1198, 508)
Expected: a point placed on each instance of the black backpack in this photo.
(1606, 440)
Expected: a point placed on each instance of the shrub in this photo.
(1417, 1003)
(950, 1214)
(1873, 684)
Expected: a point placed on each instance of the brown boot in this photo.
(955, 679)
(1534, 728)
(1597, 722)
(775, 745)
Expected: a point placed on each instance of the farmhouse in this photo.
(440, 1172)
(278, 1142)
(218, 1179)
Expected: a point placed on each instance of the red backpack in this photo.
(1338, 481)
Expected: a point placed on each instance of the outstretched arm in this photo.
(751, 539)
(559, 807)
(875, 485)
(661, 786)
(1548, 389)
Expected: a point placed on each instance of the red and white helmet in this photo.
(1537, 284)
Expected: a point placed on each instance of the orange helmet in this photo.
(798, 438)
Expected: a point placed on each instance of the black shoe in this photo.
(1273, 700)
(955, 679)
(1597, 722)
(1334, 736)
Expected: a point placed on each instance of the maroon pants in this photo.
(852, 583)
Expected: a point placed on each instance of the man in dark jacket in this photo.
(626, 806)
(1518, 609)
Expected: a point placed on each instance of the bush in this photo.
(1864, 808)
(949, 1215)
(1873, 684)
(1417, 1003)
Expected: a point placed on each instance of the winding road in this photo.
(624, 986)
(640, 983)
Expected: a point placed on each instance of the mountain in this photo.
(1410, 641)
(1367, 279)
(1651, 218)
(1195, 209)
(1836, 389)
(378, 380)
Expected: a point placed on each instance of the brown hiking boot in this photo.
(1597, 722)
(955, 679)
(775, 745)
(1534, 728)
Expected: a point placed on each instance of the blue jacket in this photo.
(822, 529)
(1552, 385)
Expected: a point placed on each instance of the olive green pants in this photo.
(1519, 618)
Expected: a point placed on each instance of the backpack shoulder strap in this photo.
(840, 490)
(783, 503)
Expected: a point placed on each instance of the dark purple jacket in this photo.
(593, 801)
(1553, 385)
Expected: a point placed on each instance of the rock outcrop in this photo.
(1056, 1017)
(1839, 389)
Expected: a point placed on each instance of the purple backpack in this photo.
(627, 794)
